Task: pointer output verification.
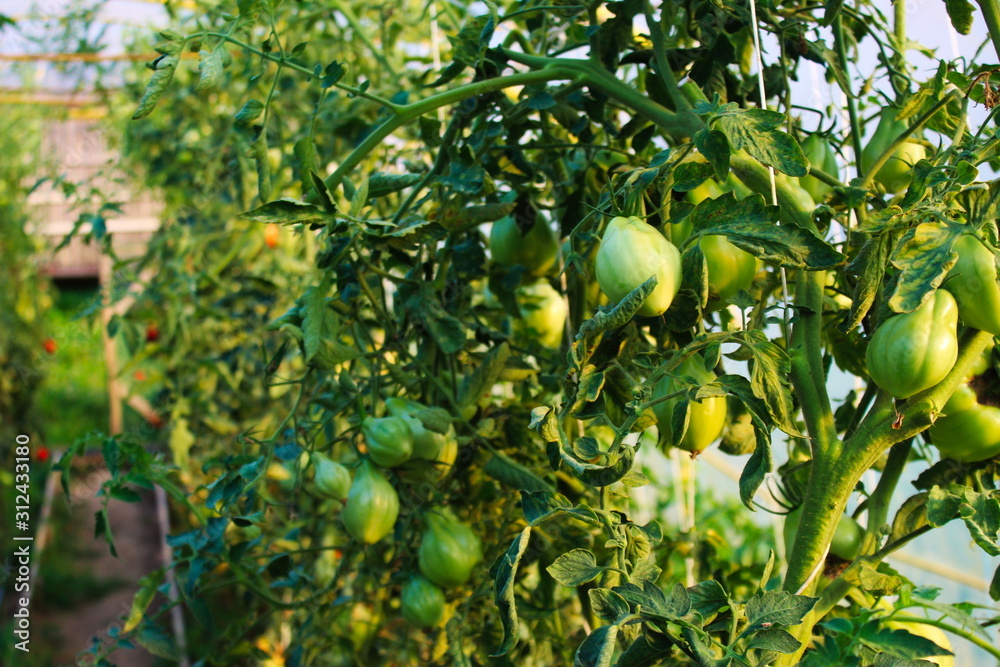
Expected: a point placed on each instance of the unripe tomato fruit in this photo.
(914, 351)
(973, 283)
(705, 419)
(631, 253)
(820, 154)
(536, 250)
(895, 174)
(449, 550)
(968, 431)
(427, 444)
(729, 269)
(389, 440)
(372, 505)
(847, 537)
(331, 478)
(543, 313)
(422, 603)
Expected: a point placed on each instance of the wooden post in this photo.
(115, 422)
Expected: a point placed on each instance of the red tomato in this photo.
(49, 345)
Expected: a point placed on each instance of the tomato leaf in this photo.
(924, 256)
(749, 224)
(156, 640)
(287, 212)
(607, 605)
(504, 571)
(899, 643)
(598, 649)
(514, 475)
(776, 609)
(653, 603)
(163, 73)
(485, 376)
(575, 568)
(774, 639)
(708, 597)
(757, 131)
(960, 12)
(869, 267)
(715, 147)
(618, 316)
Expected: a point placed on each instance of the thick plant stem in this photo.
(832, 480)
(991, 13)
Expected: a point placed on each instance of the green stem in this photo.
(991, 14)
(958, 632)
(300, 69)
(878, 502)
(409, 112)
(902, 138)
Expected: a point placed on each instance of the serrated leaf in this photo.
(575, 568)
(708, 597)
(899, 643)
(750, 224)
(757, 131)
(485, 376)
(775, 639)
(607, 605)
(924, 256)
(776, 609)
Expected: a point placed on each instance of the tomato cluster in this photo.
(401, 440)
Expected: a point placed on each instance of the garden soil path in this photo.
(137, 540)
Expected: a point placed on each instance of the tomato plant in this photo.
(429, 321)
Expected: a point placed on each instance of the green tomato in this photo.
(847, 536)
(705, 419)
(708, 189)
(729, 269)
(973, 283)
(372, 505)
(427, 444)
(331, 478)
(895, 174)
(389, 440)
(967, 431)
(914, 351)
(422, 603)
(543, 313)
(535, 250)
(820, 154)
(631, 253)
(449, 550)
